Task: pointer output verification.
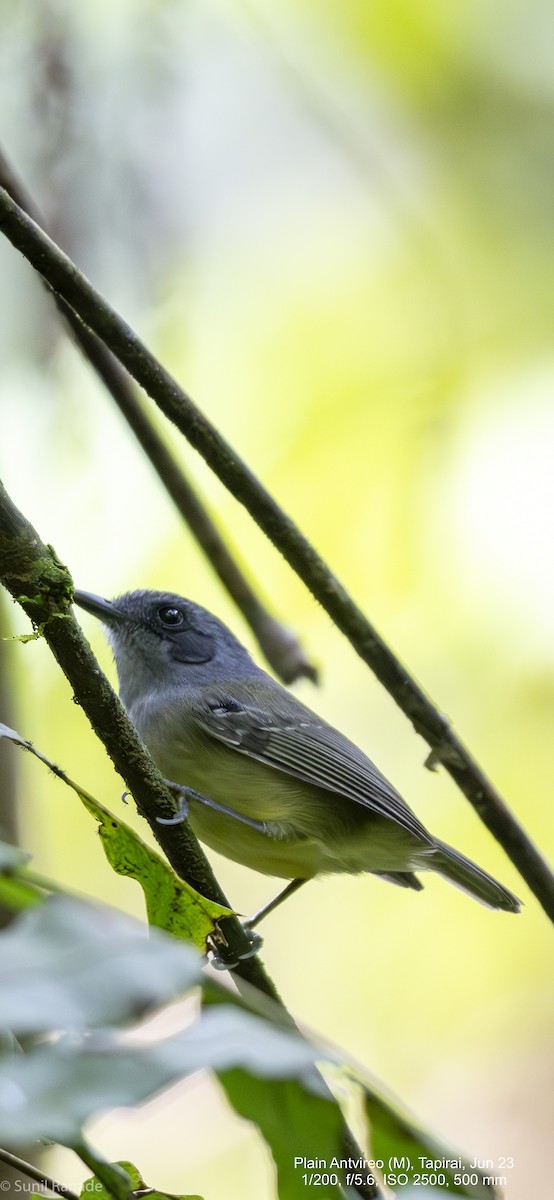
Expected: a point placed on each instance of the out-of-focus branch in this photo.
(277, 642)
(63, 276)
(20, 1167)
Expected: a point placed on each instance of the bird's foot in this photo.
(223, 957)
(182, 794)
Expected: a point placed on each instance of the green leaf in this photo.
(112, 1181)
(16, 892)
(155, 1195)
(396, 1137)
(95, 1186)
(98, 1189)
(170, 1195)
(296, 1124)
(171, 904)
(69, 964)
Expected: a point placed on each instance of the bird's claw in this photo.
(217, 946)
(182, 811)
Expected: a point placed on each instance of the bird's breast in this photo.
(187, 755)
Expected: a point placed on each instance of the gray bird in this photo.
(280, 790)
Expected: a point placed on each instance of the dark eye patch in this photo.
(190, 646)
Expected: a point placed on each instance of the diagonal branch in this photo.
(44, 1181)
(43, 587)
(277, 642)
(63, 276)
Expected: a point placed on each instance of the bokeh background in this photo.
(334, 224)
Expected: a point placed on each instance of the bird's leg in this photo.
(218, 958)
(185, 794)
(219, 961)
(267, 908)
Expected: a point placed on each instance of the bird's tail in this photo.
(472, 879)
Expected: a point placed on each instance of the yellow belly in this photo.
(309, 831)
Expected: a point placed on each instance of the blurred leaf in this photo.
(11, 857)
(69, 964)
(16, 892)
(294, 1122)
(415, 1193)
(155, 1195)
(57, 1086)
(394, 1136)
(112, 1180)
(94, 1184)
(133, 1173)
(171, 904)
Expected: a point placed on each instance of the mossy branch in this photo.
(31, 571)
(43, 587)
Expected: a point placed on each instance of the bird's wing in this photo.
(306, 748)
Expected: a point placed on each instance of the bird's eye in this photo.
(170, 616)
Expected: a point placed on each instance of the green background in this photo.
(333, 223)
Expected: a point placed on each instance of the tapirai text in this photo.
(440, 1164)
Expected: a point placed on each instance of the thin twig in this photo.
(43, 587)
(46, 1181)
(277, 641)
(63, 276)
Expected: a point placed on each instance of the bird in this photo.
(266, 782)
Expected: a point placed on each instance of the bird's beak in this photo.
(103, 609)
